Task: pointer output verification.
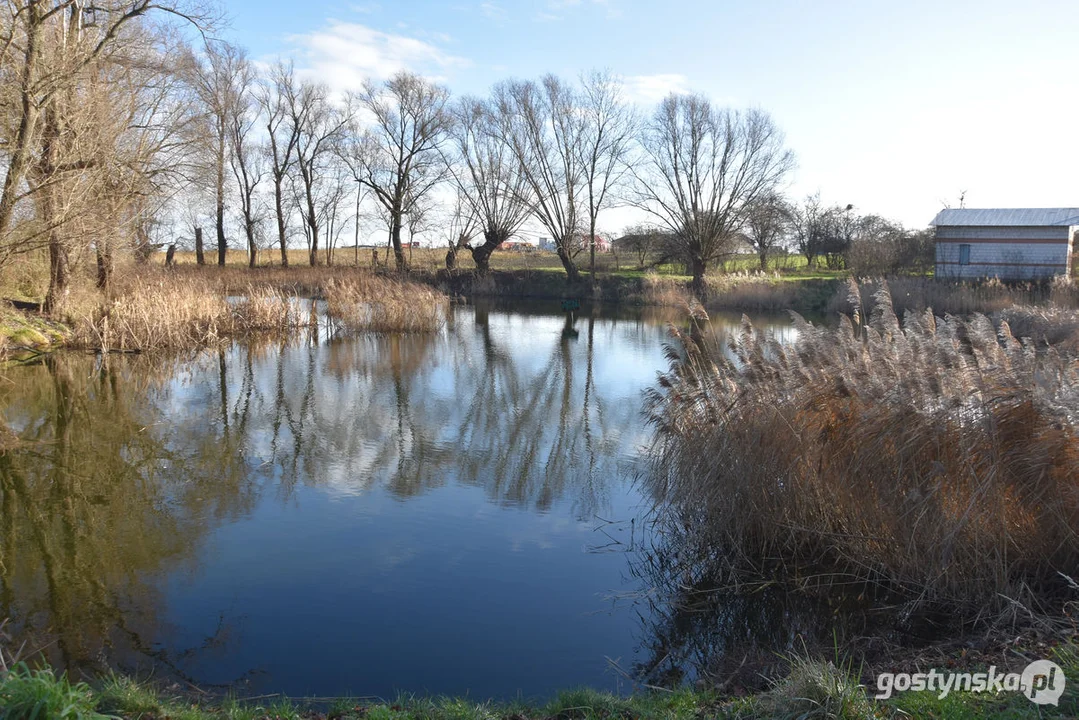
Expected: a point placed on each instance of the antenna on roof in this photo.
(962, 199)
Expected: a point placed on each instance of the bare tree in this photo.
(541, 124)
(333, 198)
(219, 78)
(823, 231)
(320, 128)
(400, 154)
(282, 135)
(49, 44)
(704, 167)
(489, 181)
(82, 137)
(642, 240)
(458, 228)
(768, 223)
(245, 157)
(608, 129)
(809, 221)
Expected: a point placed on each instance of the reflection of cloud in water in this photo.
(220, 491)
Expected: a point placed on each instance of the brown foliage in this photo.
(938, 458)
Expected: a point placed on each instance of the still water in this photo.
(455, 513)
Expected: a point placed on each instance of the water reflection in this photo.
(364, 514)
(94, 502)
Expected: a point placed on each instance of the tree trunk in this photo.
(58, 256)
(252, 247)
(200, 256)
(282, 230)
(222, 245)
(104, 266)
(572, 274)
(592, 255)
(312, 222)
(698, 267)
(764, 260)
(395, 239)
(19, 151)
(59, 274)
(482, 255)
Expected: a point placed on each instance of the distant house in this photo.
(603, 245)
(1010, 244)
(516, 246)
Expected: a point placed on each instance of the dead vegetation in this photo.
(154, 309)
(937, 458)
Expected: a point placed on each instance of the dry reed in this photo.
(153, 309)
(938, 459)
(961, 298)
(376, 304)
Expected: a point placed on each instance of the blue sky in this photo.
(895, 107)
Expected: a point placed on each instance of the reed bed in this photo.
(152, 309)
(152, 314)
(937, 459)
(961, 298)
(748, 290)
(375, 304)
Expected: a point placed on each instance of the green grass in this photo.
(812, 690)
(27, 694)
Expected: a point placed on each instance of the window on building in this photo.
(964, 254)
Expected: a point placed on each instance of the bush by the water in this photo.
(937, 458)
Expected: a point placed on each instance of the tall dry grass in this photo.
(152, 309)
(746, 290)
(938, 459)
(376, 304)
(961, 298)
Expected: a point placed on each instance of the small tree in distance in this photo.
(768, 224)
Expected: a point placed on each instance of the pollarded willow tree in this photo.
(542, 126)
(399, 155)
(704, 168)
(488, 178)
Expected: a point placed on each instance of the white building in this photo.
(1010, 244)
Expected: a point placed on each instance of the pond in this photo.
(447, 514)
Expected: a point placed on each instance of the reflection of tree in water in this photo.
(95, 502)
(414, 412)
(528, 436)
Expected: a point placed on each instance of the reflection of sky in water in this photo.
(424, 507)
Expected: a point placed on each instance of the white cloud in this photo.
(493, 11)
(653, 88)
(344, 54)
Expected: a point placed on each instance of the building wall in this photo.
(1010, 253)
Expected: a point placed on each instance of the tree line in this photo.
(119, 131)
(835, 237)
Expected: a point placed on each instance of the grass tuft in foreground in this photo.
(27, 694)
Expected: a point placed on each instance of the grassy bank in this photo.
(811, 689)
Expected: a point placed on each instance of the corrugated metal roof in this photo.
(1032, 217)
